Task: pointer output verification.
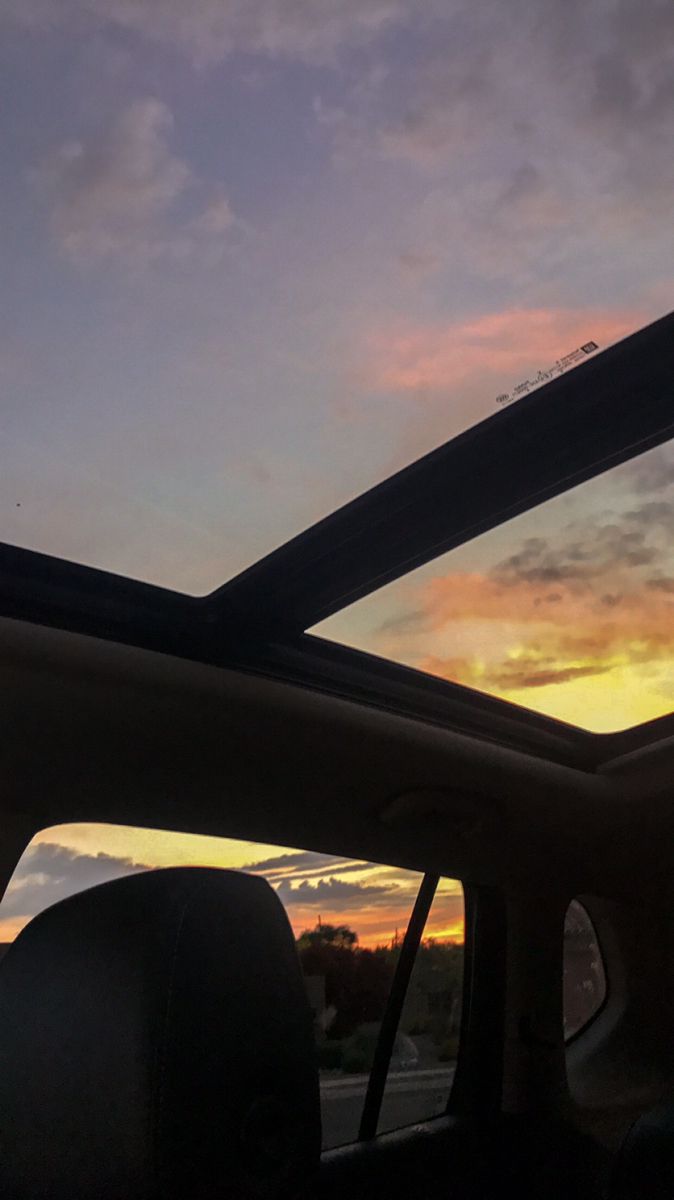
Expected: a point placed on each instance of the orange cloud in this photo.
(435, 357)
(554, 638)
(576, 620)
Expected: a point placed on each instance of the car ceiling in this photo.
(98, 731)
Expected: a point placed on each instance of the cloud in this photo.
(541, 127)
(297, 860)
(489, 350)
(49, 872)
(584, 562)
(517, 223)
(405, 622)
(538, 130)
(530, 673)
(591, 551)
(632, 80)
(665, 584)
(334, 893)
(375, 912)
(216, 218)
(654, 472)
(336, 868)
(593, 73)
(124, 195)
(303, 864)
(525, 670)
(308, 864)
(592, 596)
(208, 30)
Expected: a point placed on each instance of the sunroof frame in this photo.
(604, 412)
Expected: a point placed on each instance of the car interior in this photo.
(337, 600)
(156, 1036)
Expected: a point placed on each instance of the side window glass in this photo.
(349, 986)
(421, 1070)
(348, 983)
(349, 918)
(584, 972)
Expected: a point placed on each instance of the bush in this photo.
(359, 1051)
(449, 1048)
(356, 1061)
(415, 1028)
(330, 1056)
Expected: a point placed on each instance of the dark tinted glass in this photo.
(584, 973)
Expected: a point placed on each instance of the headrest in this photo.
(644, 1168)
(156, 1041)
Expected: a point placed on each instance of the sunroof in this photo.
(258, 256)
(567, 610)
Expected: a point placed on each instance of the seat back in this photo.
(644, 1168)
(156, 1041)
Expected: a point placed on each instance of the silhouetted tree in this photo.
(332, 935)
(358, 981)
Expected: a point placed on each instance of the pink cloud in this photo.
(435, 357)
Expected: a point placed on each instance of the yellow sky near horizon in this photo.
(602, 703)
(373, 899)
(566, 609)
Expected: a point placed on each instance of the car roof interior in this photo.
(129, 704)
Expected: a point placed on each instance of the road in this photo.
(410, 1096)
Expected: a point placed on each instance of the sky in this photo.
(372, 899)
(259, 254)
(567, 609)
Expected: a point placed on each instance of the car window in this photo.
(421, 1069)
(349, 918)
(585, 986)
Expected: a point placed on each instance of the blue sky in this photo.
(259, 254)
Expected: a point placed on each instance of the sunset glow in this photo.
(567, 610)
(375, 901)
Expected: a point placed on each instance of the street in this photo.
(410, 1096)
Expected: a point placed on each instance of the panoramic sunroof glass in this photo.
(567, 610)
(259, 256)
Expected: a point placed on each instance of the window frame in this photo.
(378, 1073)
(390, 1022)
